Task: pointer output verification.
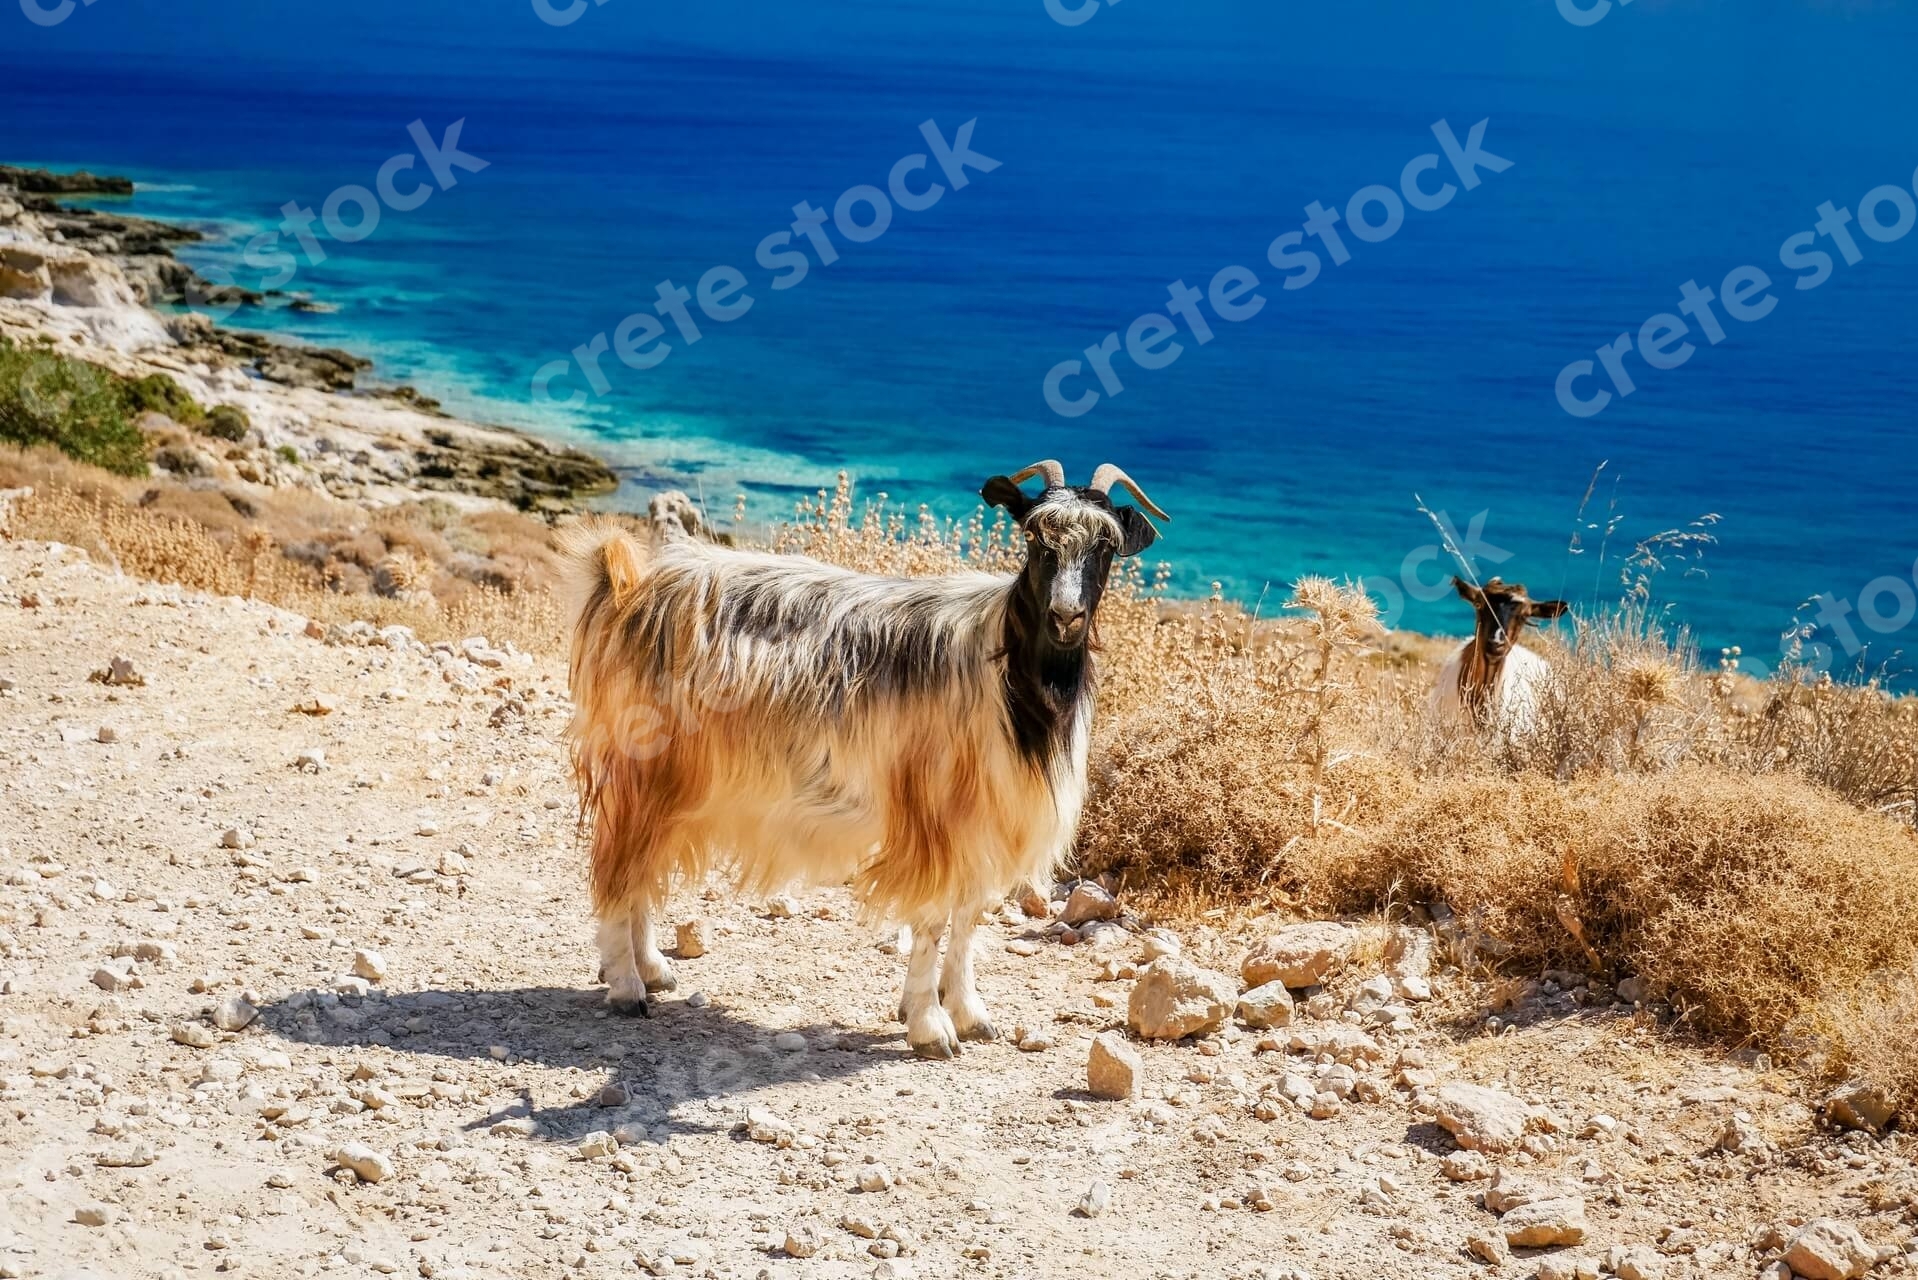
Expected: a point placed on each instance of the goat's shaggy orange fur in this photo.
(783, 720)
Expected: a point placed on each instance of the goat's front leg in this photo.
(929, 1029)
(956, 990)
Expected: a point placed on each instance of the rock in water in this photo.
(1301, 955)
(1114, 1069)
(1174, 998)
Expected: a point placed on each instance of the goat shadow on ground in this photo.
(684, 1070)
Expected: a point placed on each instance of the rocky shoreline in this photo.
(102, 287)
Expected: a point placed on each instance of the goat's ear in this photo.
(1001, 492)
(1136, 531)
(1467, 591)
(1547, 609)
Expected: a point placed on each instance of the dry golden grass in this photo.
(300, 550)
(1746, 846)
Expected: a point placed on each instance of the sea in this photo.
(1376, 421)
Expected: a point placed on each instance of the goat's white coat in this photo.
(1513, 705)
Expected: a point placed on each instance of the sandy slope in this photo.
(438, 830)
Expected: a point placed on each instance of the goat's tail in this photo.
(602, 564)
(603, 568)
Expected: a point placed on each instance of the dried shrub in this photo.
(296, 549)
(1749, 901)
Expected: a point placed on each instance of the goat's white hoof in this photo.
(981, 1030)
(935, 1038)
(666, 981)
(938, 1050)
(971, 1020)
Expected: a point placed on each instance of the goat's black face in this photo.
(1072, 535)
(1503, 610)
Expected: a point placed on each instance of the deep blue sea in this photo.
(1138, 144)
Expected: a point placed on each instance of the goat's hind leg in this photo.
(929, 1028)
(618, 966)
(957, 992)
(653, 968)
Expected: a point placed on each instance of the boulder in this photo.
(24, 277)
(1507, 1191)
(1174, 998)
(1858, 1105)
(1827, 1249)
(82, 280)
(1089, 902)
(1639, 1262)
(1539, 1224)
(1114, 1069)
(366, 1163)
(234, 1013)
(1263, 1008)
(1408, 953)
(1490, 1248)
(1739, 1136)
(1483, 1119)
(1346, 1044)
(695, 939)
(1300, 955)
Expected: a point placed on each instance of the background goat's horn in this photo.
(1108, 475)
(1054, 473)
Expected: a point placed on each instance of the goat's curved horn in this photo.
(1054, 473)
(1108, 475)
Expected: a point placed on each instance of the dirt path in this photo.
(230, 848)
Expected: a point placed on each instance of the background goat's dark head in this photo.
(1503, 610)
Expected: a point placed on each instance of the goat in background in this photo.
(1492, 683)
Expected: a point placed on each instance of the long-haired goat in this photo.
(781, 719)
(1492, 683)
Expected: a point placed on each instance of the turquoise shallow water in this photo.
(1150, 144)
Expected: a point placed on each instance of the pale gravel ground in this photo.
(990, 1152)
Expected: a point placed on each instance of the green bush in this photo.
(77, 407)
(288, 454)
(228, 422)
(161, 395)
